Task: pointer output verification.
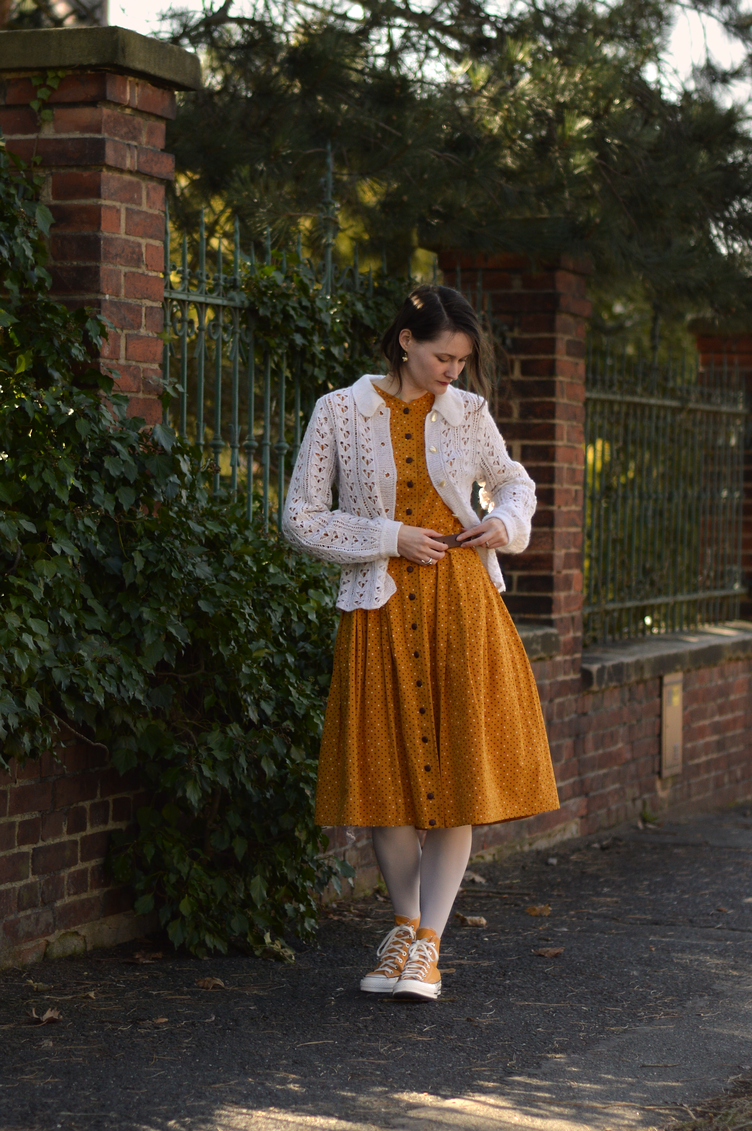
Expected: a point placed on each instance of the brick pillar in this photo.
(541, 416)
(716, 345)
(105, 176)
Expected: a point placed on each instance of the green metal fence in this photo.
(664, 449)
(240, 399)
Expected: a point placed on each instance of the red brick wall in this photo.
(608, 766)
(105, 173)
(55, 821)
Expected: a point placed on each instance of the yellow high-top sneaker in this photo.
(420, 979)
(392, 952)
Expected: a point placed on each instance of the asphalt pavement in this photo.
(611, 988)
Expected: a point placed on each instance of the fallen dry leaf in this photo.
(473, 878)
(211, 983)
(470, 920)
(724, 909)
(48, 1016)
(549, 951)
(160, 1021)
(538, 909)
(142, 957)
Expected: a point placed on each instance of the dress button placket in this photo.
(412, 457)
(421, 710)
(429, 794)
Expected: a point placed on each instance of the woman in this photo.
(433, 721)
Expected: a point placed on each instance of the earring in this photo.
(404, 357)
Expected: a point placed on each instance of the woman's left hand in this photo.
(491, 534)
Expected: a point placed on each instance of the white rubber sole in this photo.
(377, 984)
(410, 989)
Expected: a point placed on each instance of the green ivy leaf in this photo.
(258, 890)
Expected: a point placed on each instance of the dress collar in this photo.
(367, 400)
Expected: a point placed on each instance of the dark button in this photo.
(409, 459)
(409, 482)
(414, 626)
(408, 511)
(405, 411)
(427, 769)
(410, 569)
(408, 435)
(416, 654)
(411, 596)
(424, 738)
(422, 710)
(429, 796)
(419, 683)
(432, 822)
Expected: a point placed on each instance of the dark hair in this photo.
(429, 311)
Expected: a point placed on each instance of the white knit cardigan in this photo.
(348, 439)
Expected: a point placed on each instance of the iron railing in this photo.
(664, 446)
(233, 392)
(664, 449)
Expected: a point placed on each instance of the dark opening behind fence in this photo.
(664, 448)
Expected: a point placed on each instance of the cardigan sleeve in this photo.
(509, 486)
(308, 521)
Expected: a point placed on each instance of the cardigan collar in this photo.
(367, 400)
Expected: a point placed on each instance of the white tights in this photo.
(423, 882)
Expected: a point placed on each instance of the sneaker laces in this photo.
(421, 956)
(393, 946)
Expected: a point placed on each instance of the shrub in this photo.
(141, 615)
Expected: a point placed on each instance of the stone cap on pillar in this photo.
(113, 49)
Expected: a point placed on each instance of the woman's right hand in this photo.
(418, 544)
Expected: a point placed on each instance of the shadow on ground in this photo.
(646, 1010)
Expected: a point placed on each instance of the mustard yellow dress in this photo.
(433, 716)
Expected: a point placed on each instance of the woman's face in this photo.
(431, 367)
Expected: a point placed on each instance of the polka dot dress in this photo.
(433, 717)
